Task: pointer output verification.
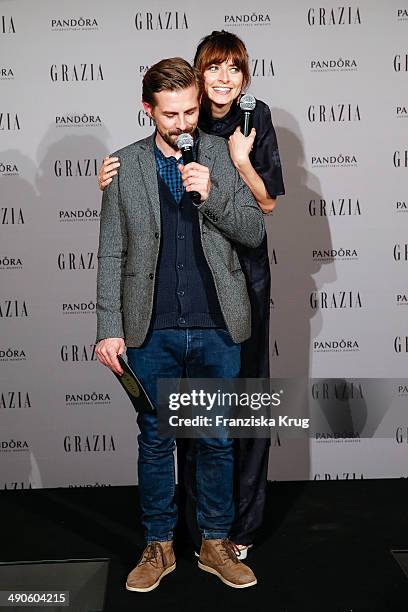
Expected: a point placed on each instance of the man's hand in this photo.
(107, 171)
(196, 178)
(107, 352)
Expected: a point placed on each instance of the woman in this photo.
(222, 60)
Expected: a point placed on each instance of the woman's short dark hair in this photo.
(169, 75)
(220, 46)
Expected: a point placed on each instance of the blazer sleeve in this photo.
(112, 254)
(231, 207)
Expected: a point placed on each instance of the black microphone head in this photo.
(247, 102)
(184, 141)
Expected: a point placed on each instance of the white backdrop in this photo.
(336, 79)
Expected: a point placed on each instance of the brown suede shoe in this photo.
(220, 557)
(157, 561)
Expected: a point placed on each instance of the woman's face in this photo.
(223, 83)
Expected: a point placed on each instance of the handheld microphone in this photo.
(247, 104)
(185, 143)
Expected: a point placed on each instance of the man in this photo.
(170, 288)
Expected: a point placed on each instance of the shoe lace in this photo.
(151, 554)
(229, 550)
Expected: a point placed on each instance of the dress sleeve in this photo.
(265, 154)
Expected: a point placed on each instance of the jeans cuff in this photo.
(215, 535)
(166, 538)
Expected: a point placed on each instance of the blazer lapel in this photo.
(148, 172)
(206, 157)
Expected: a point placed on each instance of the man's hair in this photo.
(220, 46)
(170, 74)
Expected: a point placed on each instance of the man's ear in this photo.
(148, 108)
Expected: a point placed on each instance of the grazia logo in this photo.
(94, 443)
(9, 122)
(334, 16)
(64, 73)
(7, 25)
(161, 20)
(262, 67)
(401, 62)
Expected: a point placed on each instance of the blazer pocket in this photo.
(237, 273)
(235, 264)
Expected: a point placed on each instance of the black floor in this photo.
(325, 547)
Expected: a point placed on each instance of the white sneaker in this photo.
(243, 551)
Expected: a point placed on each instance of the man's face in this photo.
(175, 112)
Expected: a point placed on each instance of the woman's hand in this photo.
(240, 146)
(107, 171)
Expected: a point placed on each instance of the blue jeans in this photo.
(173, 353)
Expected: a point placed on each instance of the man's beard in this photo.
(171, 137)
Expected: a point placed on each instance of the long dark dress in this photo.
(251, 455)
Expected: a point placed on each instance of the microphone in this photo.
(185, 144)
(247, 104)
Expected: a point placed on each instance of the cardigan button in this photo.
(151, 276)
(157, 235)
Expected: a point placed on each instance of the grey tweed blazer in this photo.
(129, 240)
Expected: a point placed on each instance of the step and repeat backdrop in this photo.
(336, 80)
